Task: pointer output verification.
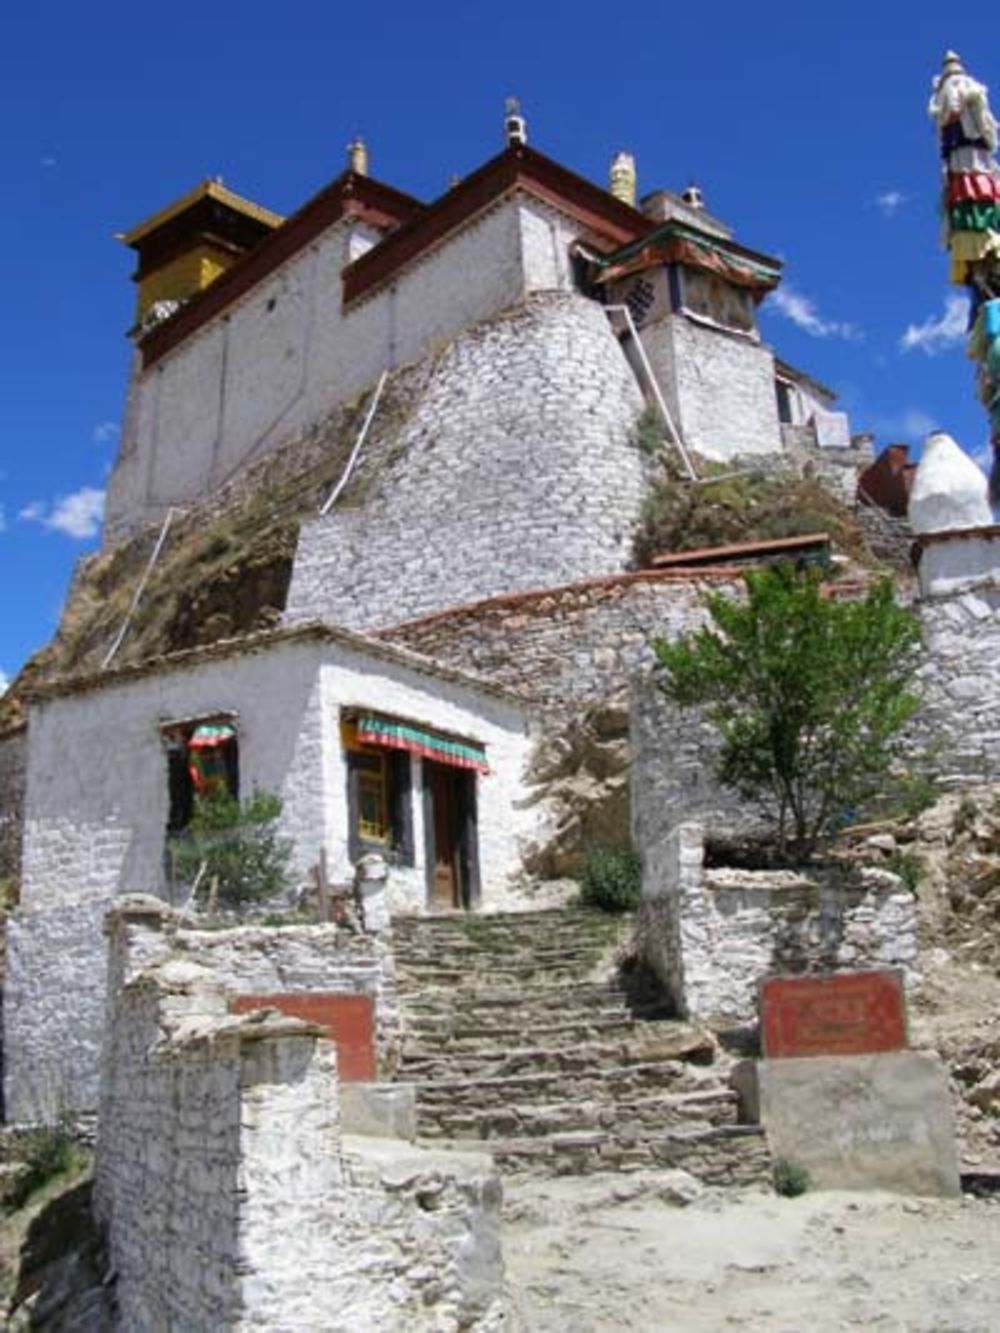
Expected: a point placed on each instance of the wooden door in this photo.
(445, 868)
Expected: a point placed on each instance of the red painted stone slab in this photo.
(844, 1013)
(348, 1020)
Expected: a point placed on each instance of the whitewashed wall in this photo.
(517, 469)
(97, 805)
(287, 352)
(719, 387)
(229, 1199)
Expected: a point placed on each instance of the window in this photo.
(379, 800)
(201, 755)
(784, 392)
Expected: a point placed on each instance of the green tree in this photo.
(233, 849)
(808, 692)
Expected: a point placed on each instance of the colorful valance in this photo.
(404, 736)
(210, 734)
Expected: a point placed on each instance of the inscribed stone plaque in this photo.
(844, 1013)
(348, 1020)
(863, 1121)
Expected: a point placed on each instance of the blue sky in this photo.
(805, 127)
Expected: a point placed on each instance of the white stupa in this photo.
(949, 491)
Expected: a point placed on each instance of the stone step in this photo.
(728, 1155)
(671, 1076)
(629, 1116)
(464, 981)
(488, 997)
(532, 1016)
(427, 1064)
(425, 1037)
(529, 922)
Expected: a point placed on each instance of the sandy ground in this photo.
(613, 1253)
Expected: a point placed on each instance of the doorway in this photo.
(451, 837)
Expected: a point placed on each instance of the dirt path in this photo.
(609, 1253)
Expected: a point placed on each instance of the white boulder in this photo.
(949, 491)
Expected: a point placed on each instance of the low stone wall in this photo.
(57, 984)
(228, 1197)
(711, 936)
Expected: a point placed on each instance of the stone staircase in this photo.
(520, 1038)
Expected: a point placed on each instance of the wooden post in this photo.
(322, 887)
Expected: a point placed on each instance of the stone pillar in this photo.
(371, 878)
(671, 879)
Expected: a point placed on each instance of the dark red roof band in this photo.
(416, 229)
(348, 195)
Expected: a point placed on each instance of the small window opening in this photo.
(784, 392)
(202, 756)
(271, 304)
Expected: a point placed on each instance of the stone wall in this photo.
(13, 773)
(673, 773)
(569, 645)
(288, 351)
(720, 387)
(228, 1196)
(959, 679)
(711, 936)
(517, 469)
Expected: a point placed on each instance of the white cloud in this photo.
(105, 431)
(4, 682)
(889, 202)
(803, 313)
(912, 423)
(936, 334)
(78, 515)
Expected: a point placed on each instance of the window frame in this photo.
(399, 847)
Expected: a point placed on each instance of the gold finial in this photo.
(357, 157)
(621, 178)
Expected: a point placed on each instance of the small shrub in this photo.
(914, 793)
(648, 434)
(238, 846)
(47, 1153)
(790, 1178)
(908, 865)
(965, 816)
(611, 878)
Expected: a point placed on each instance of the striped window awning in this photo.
(210, 734)
(404, 736)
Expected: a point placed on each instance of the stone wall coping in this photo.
(310, 631)
(768, 881)
(599, 582)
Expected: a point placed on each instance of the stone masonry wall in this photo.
(267, 960)
(959, 679)
(13, 774)
(564, 646)
(227, 1195)
(720, 387)
(518, 469)
(712, 935)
